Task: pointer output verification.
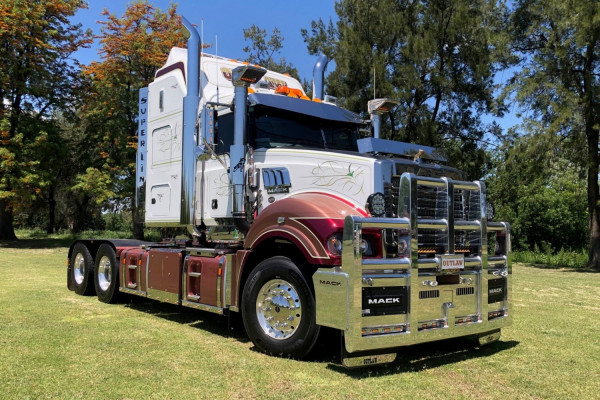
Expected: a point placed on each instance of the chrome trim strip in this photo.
(386, 223)
(203, 307)
(467, 225)
(166, 297)
(462, 185)
(147, 268)
(219, 281)
(184, 276)
(483, 253)
(386, 262)
(227, 292)
(440, 224)
(132, 291)
(122, 263)
(450, 214)
(427, 181)
(496, 226)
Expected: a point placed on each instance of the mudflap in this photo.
(365, 358)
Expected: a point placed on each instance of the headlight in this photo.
(376, 205)
(334, 244)
(365, 248)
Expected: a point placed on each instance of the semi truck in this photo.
(295, 221)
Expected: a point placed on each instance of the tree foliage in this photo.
(263, 49)
(133, 47)
(536, 185)
(37, 77)
(438, 58)
(558, 85)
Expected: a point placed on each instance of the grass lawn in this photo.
(55, 344)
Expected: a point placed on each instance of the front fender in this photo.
(306, 220)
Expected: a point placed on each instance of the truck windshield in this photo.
(271, 127)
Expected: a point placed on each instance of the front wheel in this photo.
(106, 274)
(278, 309)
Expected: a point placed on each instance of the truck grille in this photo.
(432, 203)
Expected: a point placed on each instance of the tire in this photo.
(81, 269)
(278, 309)
(106, 274)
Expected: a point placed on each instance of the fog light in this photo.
(376, 205)
(364, 246)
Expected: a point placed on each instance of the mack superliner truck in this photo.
(296, 222)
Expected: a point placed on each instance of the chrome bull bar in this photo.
(420, 303)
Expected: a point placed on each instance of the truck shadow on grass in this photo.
(428, 356)
(327, 350)
(209, 322)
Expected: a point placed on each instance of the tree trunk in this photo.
(593, 198)
(81, 211)
(592, 136)
(51, 211)
(7, 230)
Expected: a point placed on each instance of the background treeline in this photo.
(68, 131)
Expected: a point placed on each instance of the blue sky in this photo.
(226, 20)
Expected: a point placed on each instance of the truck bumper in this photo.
(386, 303)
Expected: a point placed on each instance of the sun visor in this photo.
(306, 107)
(383, 146)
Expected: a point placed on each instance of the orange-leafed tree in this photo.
(38, 79)
(133, 47)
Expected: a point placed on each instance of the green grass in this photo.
(57, 345)
(546, 259)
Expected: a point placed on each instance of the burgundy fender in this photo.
(306, 220)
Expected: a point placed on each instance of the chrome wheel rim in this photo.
(104, 273)
(79, 268)
(278, 309)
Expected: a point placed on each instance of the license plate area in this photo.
(384, 301)
(452, 262)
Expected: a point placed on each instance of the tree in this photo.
(438, 58)
(133, 47)
(537, 186)
(37, 77)
(559, 42)
(262, 50)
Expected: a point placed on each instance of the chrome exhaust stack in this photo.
(378, 107)
(190, 117)
(319, 77)
(242, 78)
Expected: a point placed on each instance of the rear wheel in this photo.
(106, 274)
(278, 309)
(82, 265)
